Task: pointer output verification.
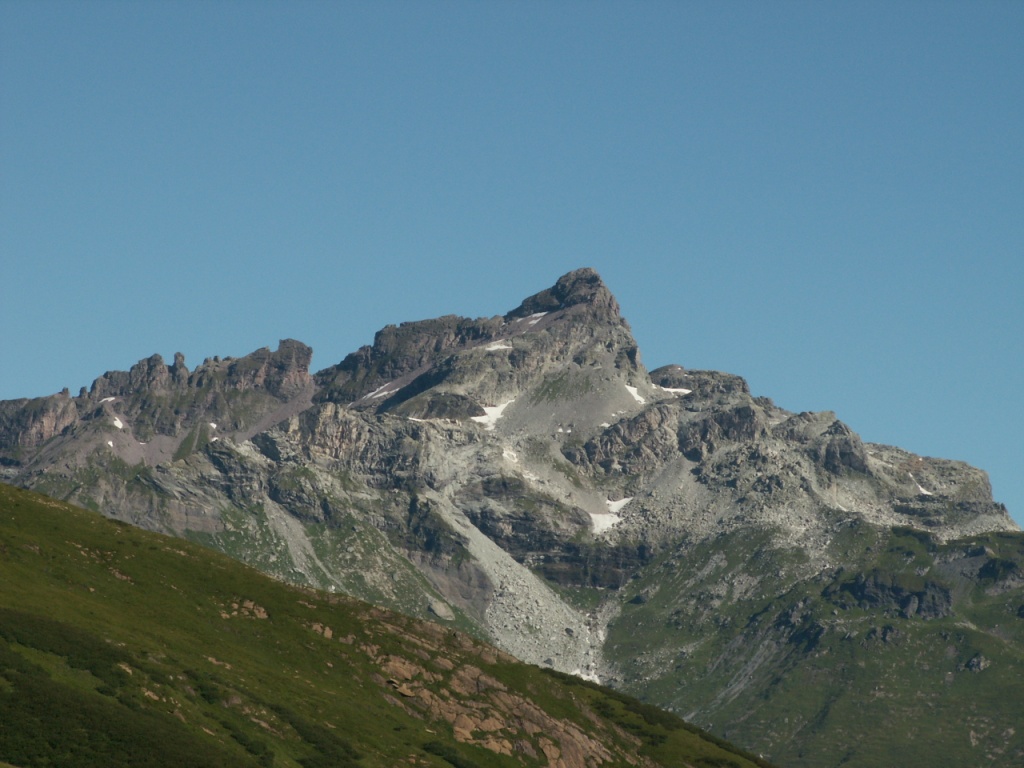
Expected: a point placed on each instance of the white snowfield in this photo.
(381, 391)
(602, 523)
(108, 399)
(920, 490)
(118, 423)
(496, 346)
(635, 394)
(676, 390)
(492, 414)
(608, 520)
(110, 443)
(212, 425)
(535, 318)
(616, 506)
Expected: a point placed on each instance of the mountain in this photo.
(769, 575)
(121, 647)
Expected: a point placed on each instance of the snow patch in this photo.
(110, 443)
(604, 424)
(535, 318)
(492, 414)
(510, 455)
(676, 390)
(108, 399)
(920, 490)
(212, 425)
(635, 394)
(381, 391)
(495, 347)
(602, 523)
(616, 506)
(118, 423)
(592, 677)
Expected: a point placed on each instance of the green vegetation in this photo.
(664, 736)
(194, 441)
(249, 537)
(120, 647)
(856, 667)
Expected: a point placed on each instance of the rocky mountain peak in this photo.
(555, 325)
(151, 373)
(580, 287)
(282, 373)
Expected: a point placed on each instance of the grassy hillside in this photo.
(123, 647)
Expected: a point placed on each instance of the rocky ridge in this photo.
(526, 478)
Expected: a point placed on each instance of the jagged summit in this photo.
(155, 408)
(444, 352)
(582, 286)
(282, 373)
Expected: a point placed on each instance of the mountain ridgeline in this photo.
(767, 574)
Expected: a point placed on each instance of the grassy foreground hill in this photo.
(123, 647)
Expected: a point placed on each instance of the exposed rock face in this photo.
(524, 477)
(283, 373)
(149, 374)
(398, 352)
(27, 424)
(155, 411)
(703, 384)
(583, 288)
(889, 592)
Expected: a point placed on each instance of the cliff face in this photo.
(27, 424)
(524, 476)
(154, 412)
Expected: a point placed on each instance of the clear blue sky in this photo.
(826, 198)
